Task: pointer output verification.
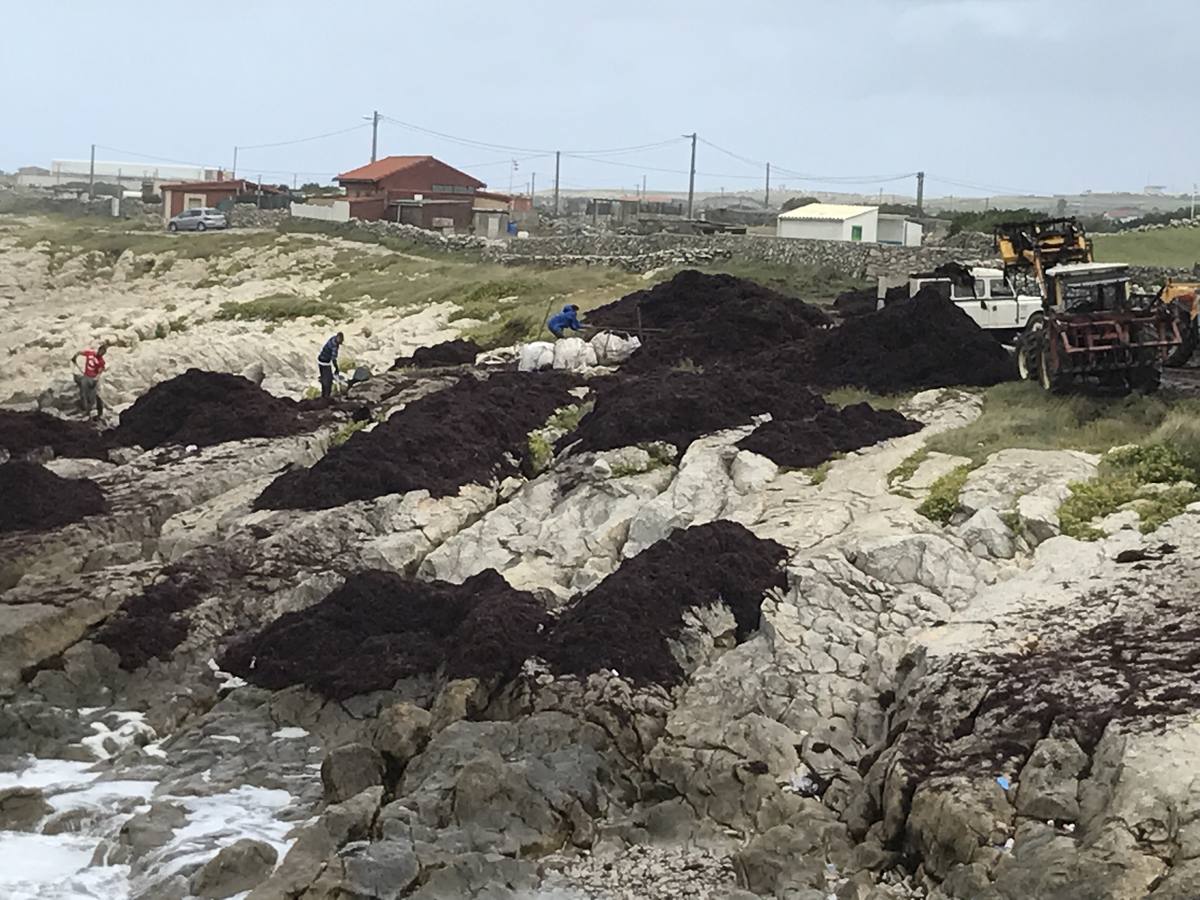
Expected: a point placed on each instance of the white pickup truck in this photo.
(987, 297)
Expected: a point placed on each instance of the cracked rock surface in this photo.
(959, 711)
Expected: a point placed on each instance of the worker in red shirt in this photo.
(88, 379)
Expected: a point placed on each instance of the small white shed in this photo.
(830, 222)
(898, 229)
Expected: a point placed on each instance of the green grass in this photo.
(814, 284)
(818, 474)
(541, 441)
(942, 502)
(1022, 415)
(276, 308)
(71, 237)
(347, 431)
(1157, 440)
(365, 236)
(908, 468)
(847, 396)
(511, 304)
(1170, 247)
(1123, 478)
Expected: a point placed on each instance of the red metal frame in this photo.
(1098, 342)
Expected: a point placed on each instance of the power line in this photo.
(489, 145)
(748, 161)
(989, 188)
(315, 137)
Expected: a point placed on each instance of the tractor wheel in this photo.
(1146, 379)
(1050, 380)
(1029, 345)
(1187, 328)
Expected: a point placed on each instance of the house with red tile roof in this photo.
(419, 190)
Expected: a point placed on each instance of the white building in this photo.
(843, 222)
(128, 174)
(898, 229)
(830, 222)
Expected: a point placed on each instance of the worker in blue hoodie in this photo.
(568, 318)
(327, 364)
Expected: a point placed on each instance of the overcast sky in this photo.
(986, 96)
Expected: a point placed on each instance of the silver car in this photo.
(199, 219)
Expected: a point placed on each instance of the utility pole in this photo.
(1193, 200)
(767, 193)
(557, 156)
(92, 176)
(532, 188)
(374, 134)
(920, 193)
(233, 174)
(692, 176)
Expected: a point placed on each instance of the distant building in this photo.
(417, 190)
(830, 222)
(180, 195)
(843, 222)
(127, 174)
(899, 229)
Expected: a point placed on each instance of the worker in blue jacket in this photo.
(568, 318)
(327, 363)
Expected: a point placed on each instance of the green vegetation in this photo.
(510, 305)
(109, 239)
(818, 474)
(815, 284)
(367, 236)
(847, 396)
(1157, 441)
(1021, 414)
(660, 456)
(1168, 247)
(942, 502)
(275, 308)
(908, 468)
(1143, 478)
(346, 431)
(541, 442)
(986, 220)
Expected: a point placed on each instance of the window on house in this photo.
(856, 232)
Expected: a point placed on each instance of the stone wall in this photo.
(641, 253)
(18, 201)
(379, 232)
(247, 215)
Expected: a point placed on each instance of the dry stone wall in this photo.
(246, 215)
(641, 253)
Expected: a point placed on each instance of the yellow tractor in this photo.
(1180, 297)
